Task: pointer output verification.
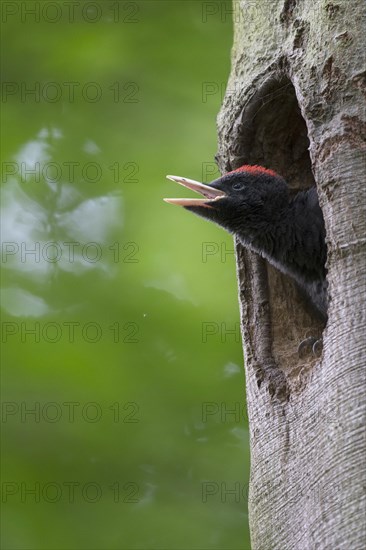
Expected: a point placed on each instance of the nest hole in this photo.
(273, 133)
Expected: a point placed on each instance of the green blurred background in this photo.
(121, 330)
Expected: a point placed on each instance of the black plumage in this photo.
(254, 204)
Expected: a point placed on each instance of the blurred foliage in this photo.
(116, 330)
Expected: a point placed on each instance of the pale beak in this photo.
(210, 193)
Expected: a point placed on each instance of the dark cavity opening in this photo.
(273, 133)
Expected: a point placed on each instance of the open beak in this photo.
(210, 193)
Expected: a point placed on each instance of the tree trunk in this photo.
(295, 103)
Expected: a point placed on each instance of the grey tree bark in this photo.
(295, 102)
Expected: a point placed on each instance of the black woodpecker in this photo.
(254, 204)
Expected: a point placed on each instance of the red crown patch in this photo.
(254, 170)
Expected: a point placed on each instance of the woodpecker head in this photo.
(249, 198)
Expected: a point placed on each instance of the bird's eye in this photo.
(238, 186)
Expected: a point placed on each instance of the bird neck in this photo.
(278, 236)
(268, 230)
